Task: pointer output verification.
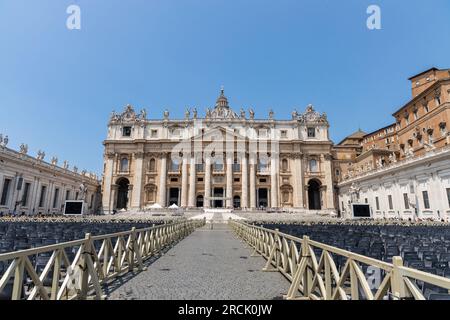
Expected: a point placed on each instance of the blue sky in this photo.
(59, 86)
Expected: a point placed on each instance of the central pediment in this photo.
(218, 133)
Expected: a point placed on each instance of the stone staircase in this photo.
(217, 215)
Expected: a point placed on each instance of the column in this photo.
(192, 181)
(323, 197)
(397, 199)
(113, 199)
(49, 199)
(109, 167)
(129, 196)
(137, 180)
(298, 181)
(62, 194)
(15, 193)
(229, 193)
(1, 182)
(438, 197)
(244, 170)
(34, 198)
(162, 181)
(206, 200)
(383, 200)
(54, 187)
(306, 199)
(273, 182)
(252, 186)
(20, 197)
(184, 182)
(329, 181)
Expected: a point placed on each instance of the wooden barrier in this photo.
(83, 275)
(320, 279)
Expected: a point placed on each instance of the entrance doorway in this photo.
(237, 202)
(199, 203)
(218, 193)
(314, 201)
(174, 195)
(122, 193)
(263, 198)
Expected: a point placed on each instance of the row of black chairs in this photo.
(19, 236)
(16, 236)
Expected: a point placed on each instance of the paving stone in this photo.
(208, 264)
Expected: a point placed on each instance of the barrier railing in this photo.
(96, 260)
(320, 279)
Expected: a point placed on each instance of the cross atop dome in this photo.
(221, 110)
(222, 101)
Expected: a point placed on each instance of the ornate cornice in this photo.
(110, 155)
(159, 154)
(296, 155)
(138, 155)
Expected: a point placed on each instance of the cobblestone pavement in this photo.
(208, 264)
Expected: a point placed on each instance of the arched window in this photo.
(284, 165)
(285, 196)
(152, 165)
(124, 165)
(438, 100)
(313, 167)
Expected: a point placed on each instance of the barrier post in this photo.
(307, 277)
(397, 284)
(84, 268)
(131, 249)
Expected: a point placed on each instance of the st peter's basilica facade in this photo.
(223, 159)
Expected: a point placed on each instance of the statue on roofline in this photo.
(242, 113)
(251, 113)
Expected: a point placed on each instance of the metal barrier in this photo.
(320, 279)
(89, 269)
